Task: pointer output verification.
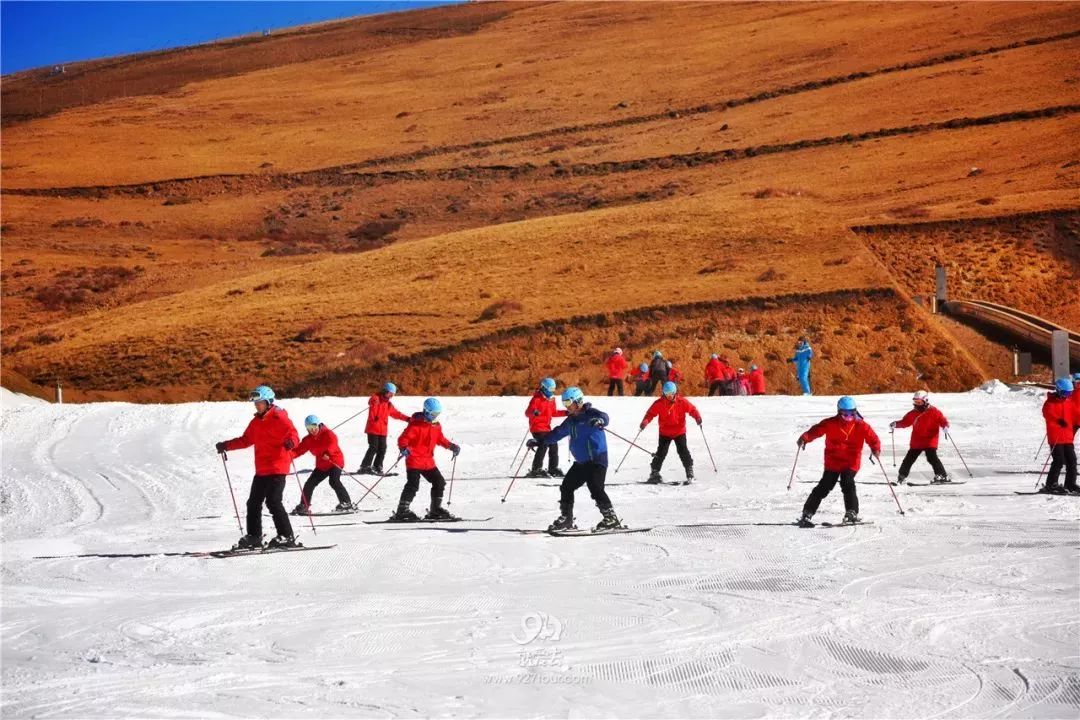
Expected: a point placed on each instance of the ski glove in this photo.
(892, 425)
(1062, 423)
(455, 449)
(801, 443)
(532, 444)
(597, 422)
(536, 413)
(699, 423)
(404, 452)
(643, 425)
(288, 444)
(221, 447)
(325, 456)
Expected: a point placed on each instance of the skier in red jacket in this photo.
(540, 411)
(742, 383)
(417, 446)
(757, 380)
(671, 409)
(925, 423)
(844, 434)
(273, 435)
(1061, 421)
(674, 374)
(714, 375)
(616, 369)
(640, 378)
(321, 442)
(381, 409)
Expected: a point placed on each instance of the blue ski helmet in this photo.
(643, 367)
(312, 421)
(657, 353)
(669, 388)
(1064, 386)
(262, 394)
(573, 396)
(432, 409)
(547, 386)
(390, 388)
(846, 404)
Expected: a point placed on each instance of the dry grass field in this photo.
(468, 197)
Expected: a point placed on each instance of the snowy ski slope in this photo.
(967, 607)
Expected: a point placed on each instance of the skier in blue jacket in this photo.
(584, 426)
(803, 353)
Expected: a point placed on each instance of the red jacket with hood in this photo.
(672, 415)
(324, 442)
(421, 437)
(844, 441)
(268, 433)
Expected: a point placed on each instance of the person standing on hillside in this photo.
(616, 369)
(1059, 413)
(844, 434)
(641, 380)
(757, 380)
(417, 446)
(658, 371)
(273, 435)
(714, 375)
(584, 426)
(803, 354)
(729, 384)
(742, 383)
(380, 410)
(674, 374)
(671, 409)
(925, 423)
(540, 411)
(321, 442)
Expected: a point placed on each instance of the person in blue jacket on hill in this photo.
(803, 353)
(584, 426)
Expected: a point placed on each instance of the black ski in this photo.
(589, 533)
(837, 525)
(333, 513)
(422, 520)
(1043, 492)
(934, 484)
(257, 551)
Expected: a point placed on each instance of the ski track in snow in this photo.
(968, 606)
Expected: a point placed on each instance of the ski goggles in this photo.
(919, 402)
(431, 416)
(848, 413)
(671, 395)
(312, 428)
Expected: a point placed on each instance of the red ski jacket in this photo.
(324, 442)
(727, 370)
(675, 375)
(421, 437)
(546, 407)
(268, 433)
(638, 376)
(1055, 410)
(925, 426)
(757, 381)
(713, 371)
(616, 366)
(672, 415)
(382, 409)
(844, 442)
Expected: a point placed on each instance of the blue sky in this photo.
(36, 34)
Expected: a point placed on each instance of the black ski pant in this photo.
(825, 486)
(641, 388)
(653, 382)
(716, 387)
(913, 455)
(613, 385)
(267, 489)
(680, 447)
(317, 476)
(589, 474)
(412, 484)
(1064, 455)
(376, 452)
(552, 452)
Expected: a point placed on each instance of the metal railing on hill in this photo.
(1021, 325)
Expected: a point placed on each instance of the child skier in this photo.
(742, 383)
(584, 426)
(616, 369)
(1059, 413)
(417, 446)
(714, 375)
(674, 374)
(321, 442)
(925, 423)
(381, 409)
(641, 380)
(540, 411)
(844, 434)
(757, 380)
(273, 435)
(671, 409)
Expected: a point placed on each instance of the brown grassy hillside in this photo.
(321, 221)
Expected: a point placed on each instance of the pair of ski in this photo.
(556, 533)
(811, 526)
(238, 552)
(675, 483)
(1051, 494)
(331, 513)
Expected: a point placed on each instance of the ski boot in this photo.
(654, 478)
(365, 470)
(804, 521)
(555, 473)
(940, 480)
(249, 542)
(851, 518)
(689, 476)
(344, 507)
(563, 522)
(901, 479)
(1072, 490)
(536, 474)
(1054, 489)
(440, 513)
(404, 514)
(376, 471)
(300, 510)
(610, 521)
(282, 541)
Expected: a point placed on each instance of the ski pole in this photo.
(303, 498)
(959, 454)
(515, 475)
(708, 450)
(793, 465)
(350, 418)
(231, 493)
(892, 432)
(523, 439)
(889, 483)
(353, 476)
(1045, 465)
(1039, 451)
(376, 483)
(628, 450)
(632, 443)
(453, 472)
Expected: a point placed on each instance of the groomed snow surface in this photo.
(967, 607)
